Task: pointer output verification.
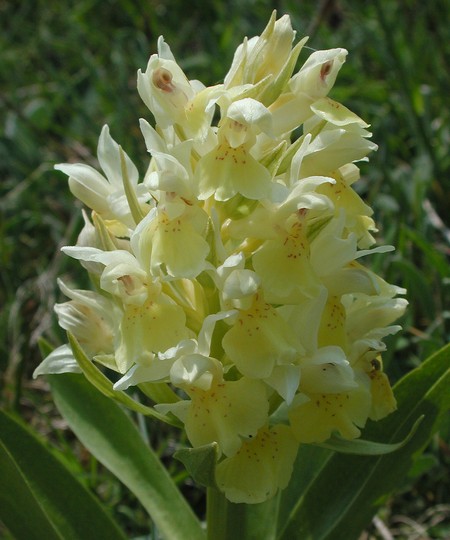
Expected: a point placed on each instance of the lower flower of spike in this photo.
(261, 466)
(224, 413)
(313, 418)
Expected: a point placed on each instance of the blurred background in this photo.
(67, 68)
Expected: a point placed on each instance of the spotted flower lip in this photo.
(231, 273)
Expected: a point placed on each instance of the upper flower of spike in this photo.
(164, 87)
(172, 98)
(263, 65)
(314, 80)
(230, 167)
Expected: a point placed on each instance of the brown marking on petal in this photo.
(162, 79)
(325, 70)
(237, 126)
(127, 282)
(376, 364)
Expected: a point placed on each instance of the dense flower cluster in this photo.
(231, 273)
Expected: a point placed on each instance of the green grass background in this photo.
(68, 67)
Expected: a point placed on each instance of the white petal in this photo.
(205, 334)
(285, 380)
(109, 158)
(196, 370)
(153, 141)
(157, 371)
(250, 112)
(87, 184)
(61, 360)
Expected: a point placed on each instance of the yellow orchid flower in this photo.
(231, 274)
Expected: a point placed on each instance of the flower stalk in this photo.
(227, 520)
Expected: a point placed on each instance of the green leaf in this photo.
(422, 465)
(308, 465)
(273, 159)
(102, 233)
(133, 203)
(435, 260)
(367, 448)
(200, 463)
(109, 434)
(40, 498)
(340, 493)
(272, 92)
(159, 392)
(105, 386)
(45, 347)
(420, 290)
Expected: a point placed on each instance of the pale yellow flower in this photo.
(260, 339)
(90, 317)
(218, 410)
(164, 87)
(230, 168)
(156, 325)
(106, 194)
(171, 238)
(261, 467)
(311, 83)
(231, 275)
(383, 400)
(314, 417)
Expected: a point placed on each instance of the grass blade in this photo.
(40, 498)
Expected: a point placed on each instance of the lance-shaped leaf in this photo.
(110, 435)
(339, 494)
(130, 193)
(40, 498)
(361, 447)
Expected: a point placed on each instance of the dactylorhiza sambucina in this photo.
(231, 272)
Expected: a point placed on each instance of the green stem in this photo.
(217, 517)
(230, 521)
(133, 203)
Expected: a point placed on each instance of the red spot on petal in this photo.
(325, 69)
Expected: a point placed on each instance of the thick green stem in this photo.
(229, 521)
